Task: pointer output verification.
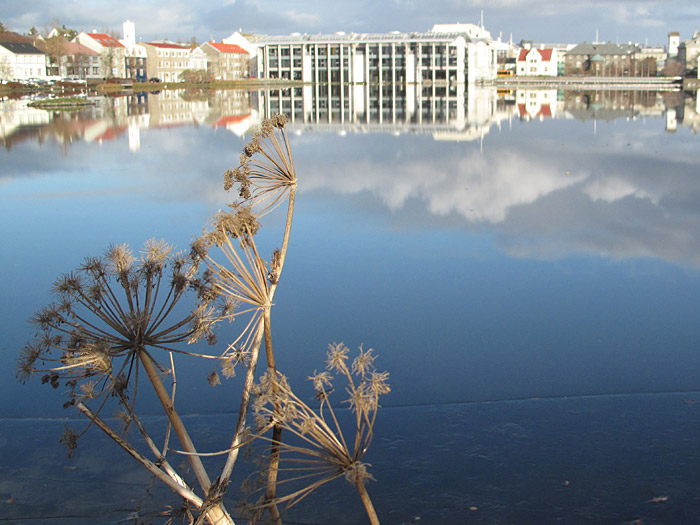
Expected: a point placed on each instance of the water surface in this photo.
(488, 247)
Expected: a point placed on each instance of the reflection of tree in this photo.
(196, 95)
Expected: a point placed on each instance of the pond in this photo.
(494, 248)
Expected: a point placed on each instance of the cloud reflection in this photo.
(540, 195)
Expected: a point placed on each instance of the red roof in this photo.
(74, 48)
(167, 45)
(545, 111)
(546, 54)
(105, 39)
(230, 119)
(227, 48)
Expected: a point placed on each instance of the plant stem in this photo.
(148, 464)
(371, 513)
(277, 431)
(217, 514)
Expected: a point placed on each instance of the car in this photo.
(154, 79)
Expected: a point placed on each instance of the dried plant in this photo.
(119, 316)
(322, 452)
(114, 318)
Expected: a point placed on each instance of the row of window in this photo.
(172, 53)
(29, 59)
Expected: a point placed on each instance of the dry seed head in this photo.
(363, 363)
(213, 379)
(357, 473)
(279, 120)
(321, 380)
(69, 439)
(120, 258)
(68, 284)
(155, 253)
(337, 357)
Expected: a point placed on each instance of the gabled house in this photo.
(21, 61)
(226, 61)
(537, 62)
(111, 50)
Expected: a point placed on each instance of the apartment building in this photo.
(448, 53)
(166, 60)
(226, 61)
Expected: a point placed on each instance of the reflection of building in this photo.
(445, 112)
(15, 115)
(449, 53)
(449, 113)
(610, 105)
(536, 103)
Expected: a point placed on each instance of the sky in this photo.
(545, 21)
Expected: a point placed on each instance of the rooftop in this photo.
(105, 40)
(21, 48)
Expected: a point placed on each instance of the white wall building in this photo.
(135, 56)
(21, 61)
(448, 53)
(537, 62)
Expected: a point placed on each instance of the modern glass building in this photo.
(447, 54)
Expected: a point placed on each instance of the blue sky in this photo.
(541, 21)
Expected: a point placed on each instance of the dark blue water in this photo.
(541, 259)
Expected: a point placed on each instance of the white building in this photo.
(674, 40)
(135, 56)
(448, 53)
(198, 59)
(537, 62)
(21, 61)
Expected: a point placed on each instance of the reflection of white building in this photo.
(536, 103)
(15, 114)
(446, 112)
(448, 53)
